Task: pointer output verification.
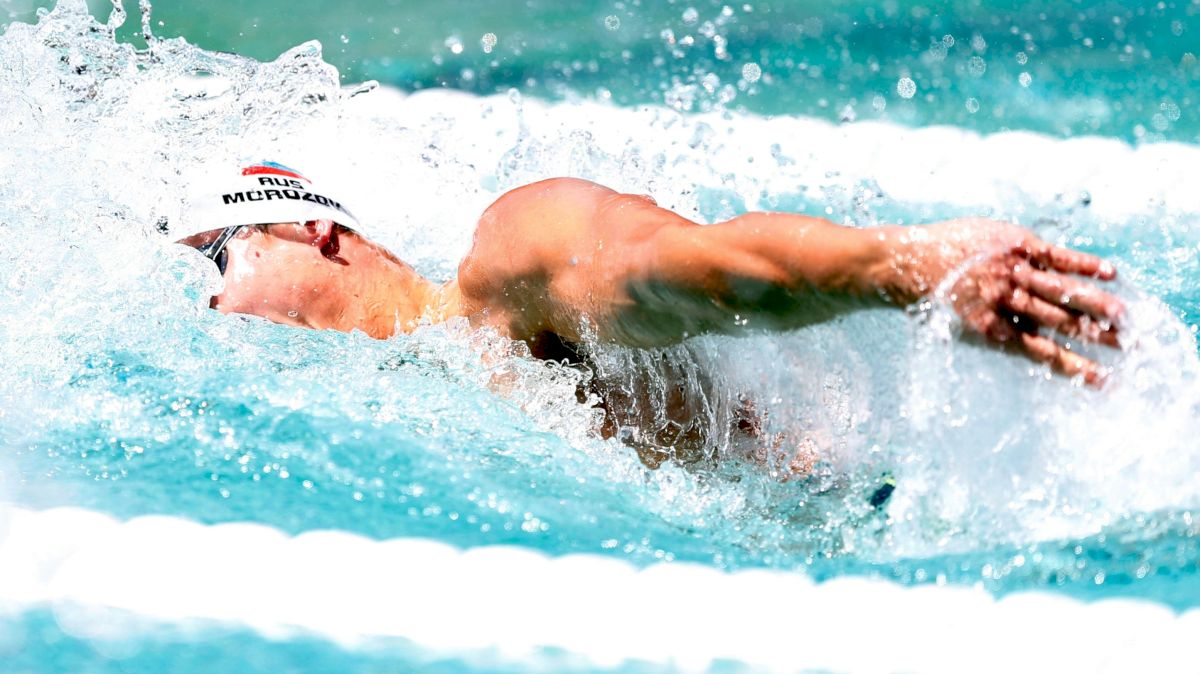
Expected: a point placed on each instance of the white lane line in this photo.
(516, 601)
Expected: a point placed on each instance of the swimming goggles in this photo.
(215, 249)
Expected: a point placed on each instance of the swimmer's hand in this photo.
(1011, 288)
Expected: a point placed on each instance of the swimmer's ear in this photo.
(321, 233)
(324, 236)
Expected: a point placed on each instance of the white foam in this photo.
(1002, 172)
(515, 602)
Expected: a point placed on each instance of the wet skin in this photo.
(568, 257)
(564, 260)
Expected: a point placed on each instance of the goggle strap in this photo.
(212, 250)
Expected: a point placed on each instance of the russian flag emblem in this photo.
(273, 168)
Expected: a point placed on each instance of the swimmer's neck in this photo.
(387, 296)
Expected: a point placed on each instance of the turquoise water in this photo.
(1122, 69)
(124, 395)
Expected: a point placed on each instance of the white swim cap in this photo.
(262, 193)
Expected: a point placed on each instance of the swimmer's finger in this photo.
(1067, 292)
(1046, 350)
(1056, 318)
(1069, 261)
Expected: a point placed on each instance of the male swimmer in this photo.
(561, 259)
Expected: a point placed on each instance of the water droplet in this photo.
(906, 87)
(293, 313)
(751, 72)
(488, 42)
(976, 66)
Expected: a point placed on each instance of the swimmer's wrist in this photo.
(906, 266)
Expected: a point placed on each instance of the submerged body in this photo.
(563, 261)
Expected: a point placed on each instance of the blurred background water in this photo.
(1122, 69)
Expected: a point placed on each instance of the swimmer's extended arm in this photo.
(776, 271)
(573, 258)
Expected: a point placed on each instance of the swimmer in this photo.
(558, 258)
(563, 260)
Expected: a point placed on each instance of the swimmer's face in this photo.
(288, 273)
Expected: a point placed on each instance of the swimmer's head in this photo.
(290, 253)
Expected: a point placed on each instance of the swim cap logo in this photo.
(276, 182)
(273, 168)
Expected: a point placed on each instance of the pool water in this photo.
(214, 480)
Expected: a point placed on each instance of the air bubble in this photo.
(1024, 79)
(612, 22)
(751, 72)
(906, 87)
(488, 42)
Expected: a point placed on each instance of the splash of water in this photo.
(116, 363)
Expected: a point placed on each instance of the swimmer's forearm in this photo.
(896, 265)
(776, 270)
(816, 255)
(798, 255)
